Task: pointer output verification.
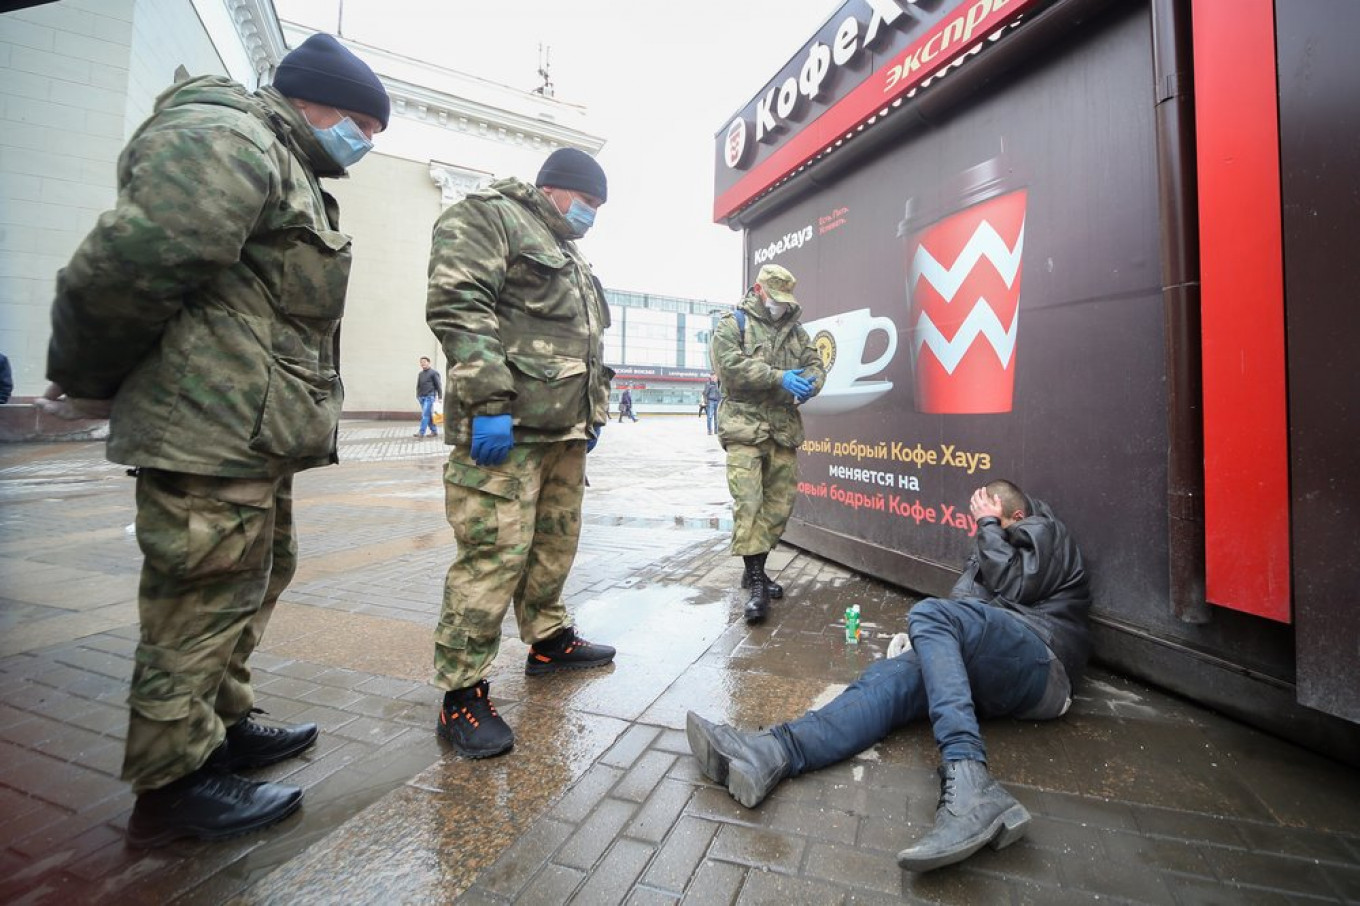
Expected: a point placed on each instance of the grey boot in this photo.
(758, 605)
(974, 812)
(751, 764)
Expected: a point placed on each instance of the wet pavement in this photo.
(1137, 796)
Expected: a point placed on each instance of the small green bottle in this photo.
(852, 625)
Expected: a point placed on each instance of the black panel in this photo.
(1320, 170)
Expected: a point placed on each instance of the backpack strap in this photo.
(740, 317)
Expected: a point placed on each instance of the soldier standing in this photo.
(766, 365)
(521, 317)
(202, 315)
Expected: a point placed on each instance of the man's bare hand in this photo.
(982, 504)
(54, 401)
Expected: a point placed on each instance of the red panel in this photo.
(939, 47)
(1246, 451)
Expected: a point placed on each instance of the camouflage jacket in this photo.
(755, 405)
(520, 316)
(207, 303)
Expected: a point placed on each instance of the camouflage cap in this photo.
(777, 282)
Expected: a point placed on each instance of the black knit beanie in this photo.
(568, 168)
(324, 71)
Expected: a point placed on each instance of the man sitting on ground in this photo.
(1010, 640)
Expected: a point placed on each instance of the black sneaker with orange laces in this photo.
(566, 651)
(469, 722)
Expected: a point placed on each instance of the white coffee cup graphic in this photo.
(841, 340)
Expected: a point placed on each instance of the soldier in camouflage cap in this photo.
(203, 312)
(521, 318)
(766, 365)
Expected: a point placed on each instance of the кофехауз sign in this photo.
(868, 58)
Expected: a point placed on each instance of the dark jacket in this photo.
(427, 383)
(1034, 569)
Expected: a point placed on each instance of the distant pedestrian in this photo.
(204, 310)
(626, 406)
(767, 365)
(6, 379)
(709, 402)
(428, 390)
(520, 315)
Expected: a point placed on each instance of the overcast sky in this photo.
(659, 78)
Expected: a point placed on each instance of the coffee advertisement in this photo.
(986, 296)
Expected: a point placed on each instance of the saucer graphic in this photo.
(847, 399)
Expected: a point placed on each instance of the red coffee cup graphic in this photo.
(964, 285)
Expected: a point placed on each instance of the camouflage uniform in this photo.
(758, 421)
(521, 317)
(207, 305)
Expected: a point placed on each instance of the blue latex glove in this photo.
(492, 439)
(799, 386)
(591, 442)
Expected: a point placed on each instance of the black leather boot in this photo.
(776, 590)
(974, 811)
(209, 805)
(751, 764)
(252, 745)
(758, 605)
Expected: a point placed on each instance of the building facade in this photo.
(658, 348)
(77, 77)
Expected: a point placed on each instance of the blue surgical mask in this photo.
(344, 142)
(581, 216)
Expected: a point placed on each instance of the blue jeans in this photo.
(427, 414)
(966, 659)
(712, 409)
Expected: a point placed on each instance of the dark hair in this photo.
(1012, 498)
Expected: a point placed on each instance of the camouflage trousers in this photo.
(763, 482)
(517, 526)
(218, 552)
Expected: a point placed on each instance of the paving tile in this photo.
(645, 896)
(1215, 829)
(644, 775)
(1201, 892)
(525, 857)
(614, 878)
(768, 888)
(715, 882)
(595, 834)
(759, 848)
(680, 855)
(659, 812)
(1103, 878)
(812, 821)
(854, 867)
(370, 730)
(1295, 841)
(713, 802)
(1296, 877)
(552, 886)
(592, 787)
(1345, 879)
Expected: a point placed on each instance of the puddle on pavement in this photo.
(683, 522)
